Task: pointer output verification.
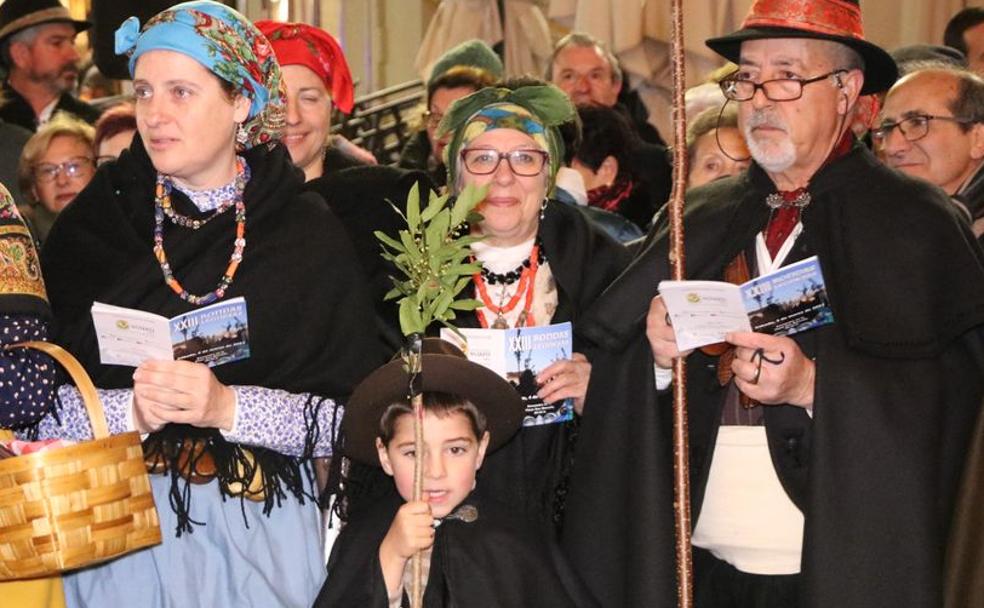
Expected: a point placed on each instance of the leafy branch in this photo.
(432, 254)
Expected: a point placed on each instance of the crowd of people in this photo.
(840, 466)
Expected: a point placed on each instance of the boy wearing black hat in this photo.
(475, 552)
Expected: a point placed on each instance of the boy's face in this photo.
(452, 455)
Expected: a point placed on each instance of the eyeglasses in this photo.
(777, 89)
(483, 161)
(913, 127)
(77, 167)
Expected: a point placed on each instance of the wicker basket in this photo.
(71, 507)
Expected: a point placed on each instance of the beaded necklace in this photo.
(162, 208)
(507, 278)
(527, 281)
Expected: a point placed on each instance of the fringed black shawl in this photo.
(310, 320)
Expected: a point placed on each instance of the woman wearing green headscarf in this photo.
(543, 262)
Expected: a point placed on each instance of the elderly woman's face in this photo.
(308, 116)
(62, 172)
(512, 206)
(185, 118)
(718, 153)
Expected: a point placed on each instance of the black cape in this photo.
(899, 382)
(310, 322)
(497, 560)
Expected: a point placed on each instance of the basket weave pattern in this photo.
(74, 506)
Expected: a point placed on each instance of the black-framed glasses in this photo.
(777, 89)
(913, 128)
(76, 167)
(523, 162)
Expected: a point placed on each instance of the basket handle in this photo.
(97, 417)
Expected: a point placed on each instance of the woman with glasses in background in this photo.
(466, 68)
(56, 164)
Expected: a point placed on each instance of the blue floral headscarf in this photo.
(229, 46)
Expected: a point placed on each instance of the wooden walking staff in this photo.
(433, 255)
(681, 443)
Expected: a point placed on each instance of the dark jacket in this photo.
(898, 385)
(416, 155)
(497, 560)
(16, 110)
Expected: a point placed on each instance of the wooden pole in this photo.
(417, 403)
(681, 444)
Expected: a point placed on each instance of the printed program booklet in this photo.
(790, 300)
(212, 335)
(518, 355)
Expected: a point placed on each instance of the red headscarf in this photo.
(315, 49)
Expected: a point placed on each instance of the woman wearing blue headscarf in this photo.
(205, 207)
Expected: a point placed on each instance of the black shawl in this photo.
(899, 382)
(310, 325)
(497, 560)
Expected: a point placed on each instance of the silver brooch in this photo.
(776, 200)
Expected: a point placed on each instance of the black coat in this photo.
(497, 560)
(898, 385)
(16, 110)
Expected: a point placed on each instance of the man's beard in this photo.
(773, 155)
(58, 82)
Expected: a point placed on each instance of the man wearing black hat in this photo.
(37, 47)
(823, 466)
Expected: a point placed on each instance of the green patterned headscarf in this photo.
(536, 110)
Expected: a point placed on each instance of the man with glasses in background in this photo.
(823, 465)
(932, 127)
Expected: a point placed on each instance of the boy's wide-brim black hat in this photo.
(835, 20)
(17, 15)
(445, 369)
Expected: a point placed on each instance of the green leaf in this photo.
(466, 202)
(387, 240)
(413, 208)
(436, 204)
(466, 305)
